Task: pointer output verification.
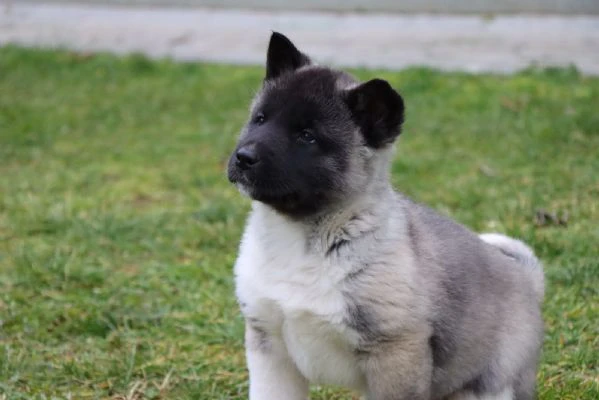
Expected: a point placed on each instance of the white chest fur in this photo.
(291, 291)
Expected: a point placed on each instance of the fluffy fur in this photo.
(344, 281)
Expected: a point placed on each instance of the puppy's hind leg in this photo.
(399, 371)
(506, 394)
(525, 385)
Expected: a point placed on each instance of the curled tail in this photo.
(523, 254)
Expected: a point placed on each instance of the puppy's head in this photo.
(313, 134)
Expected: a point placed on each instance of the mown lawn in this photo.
(118, 228)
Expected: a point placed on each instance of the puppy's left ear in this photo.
(378, 110)
(283, 56)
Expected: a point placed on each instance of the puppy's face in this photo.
(308, 128)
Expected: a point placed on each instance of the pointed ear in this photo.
(378, 110)
(283, 56)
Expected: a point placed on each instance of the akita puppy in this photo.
(343, 280)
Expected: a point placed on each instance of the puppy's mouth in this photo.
(266, 193)
(287, 199)
(280, 195)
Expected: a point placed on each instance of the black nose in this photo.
(246, 157)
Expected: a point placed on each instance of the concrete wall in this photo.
(411, 6)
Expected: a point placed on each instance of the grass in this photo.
(118, 228)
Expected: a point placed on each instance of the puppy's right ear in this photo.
(283, 56)
(378, 110)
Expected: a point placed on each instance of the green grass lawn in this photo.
(119, 229)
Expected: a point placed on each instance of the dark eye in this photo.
(307, 136)
(259, 118)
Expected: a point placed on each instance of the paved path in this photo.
(470, 43)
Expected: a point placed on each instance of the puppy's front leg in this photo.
(273, 375)
(399, 370)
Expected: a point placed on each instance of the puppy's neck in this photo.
(362, 215)
(367, 213)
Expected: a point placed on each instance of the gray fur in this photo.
(483, 324)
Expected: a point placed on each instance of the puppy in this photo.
(343, 280)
